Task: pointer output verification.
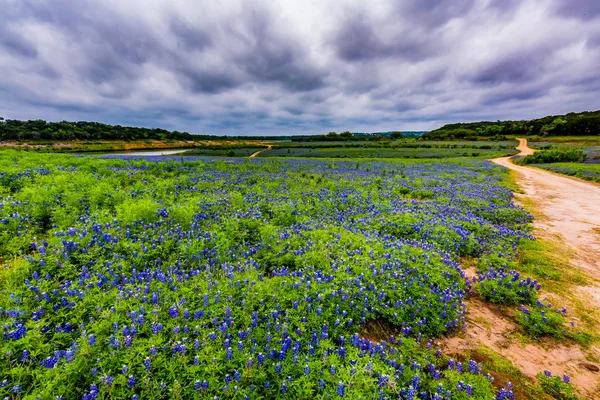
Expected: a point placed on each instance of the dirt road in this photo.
(572, 208)
(568, 209)
(260, 151)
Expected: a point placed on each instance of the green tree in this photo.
(396, 135)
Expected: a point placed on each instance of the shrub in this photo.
(542, 321)
(554, 156)
(507, 288)
(556, 387)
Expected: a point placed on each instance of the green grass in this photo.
(579, 141)
(558, 388)
(549, 262)
(502, 370)
(589, 172)
(590, 145)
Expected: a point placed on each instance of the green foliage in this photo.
(572, 124)
(559, 389)
(506, 288)
(211, 255)
(555, 125)
(483, 388)
(541, 321)
(12, 129)
(452, 134)
(555, 156)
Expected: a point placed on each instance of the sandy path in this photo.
(571, 205)
(260, 151)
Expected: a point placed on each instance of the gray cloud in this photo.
(513, 68)
(16, 44)
(434, 13)
(283, 67)
(190, 37)
(361, 37)
(580, 9)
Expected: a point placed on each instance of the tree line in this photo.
(347, 136)
(12, 129)
(573, 124)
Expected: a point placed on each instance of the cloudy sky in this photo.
(288, 67)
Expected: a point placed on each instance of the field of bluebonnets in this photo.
(247, 279)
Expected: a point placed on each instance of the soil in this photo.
(492, 327)
(569, 208)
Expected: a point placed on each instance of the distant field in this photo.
(385, 152)
(405, 148)
(406, 143)
(589, 144)
(590, 172)
(571, 140)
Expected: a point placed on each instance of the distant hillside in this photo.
(573, 124)
(12, 129)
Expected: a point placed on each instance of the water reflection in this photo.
(139, 153)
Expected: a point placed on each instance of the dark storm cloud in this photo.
(284, 67)
(514, 68)
(593, 41)
(190, 37)
(434, 13)
(358, 39)
(281, 63)
(501, 96)
(251, 51)
(198, 80)
(580, 9)
(17, 44)
(272, 55)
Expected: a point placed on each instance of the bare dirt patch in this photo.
(491, 327)
(377, 331)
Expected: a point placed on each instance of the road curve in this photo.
(572, 208)
(260, 151)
